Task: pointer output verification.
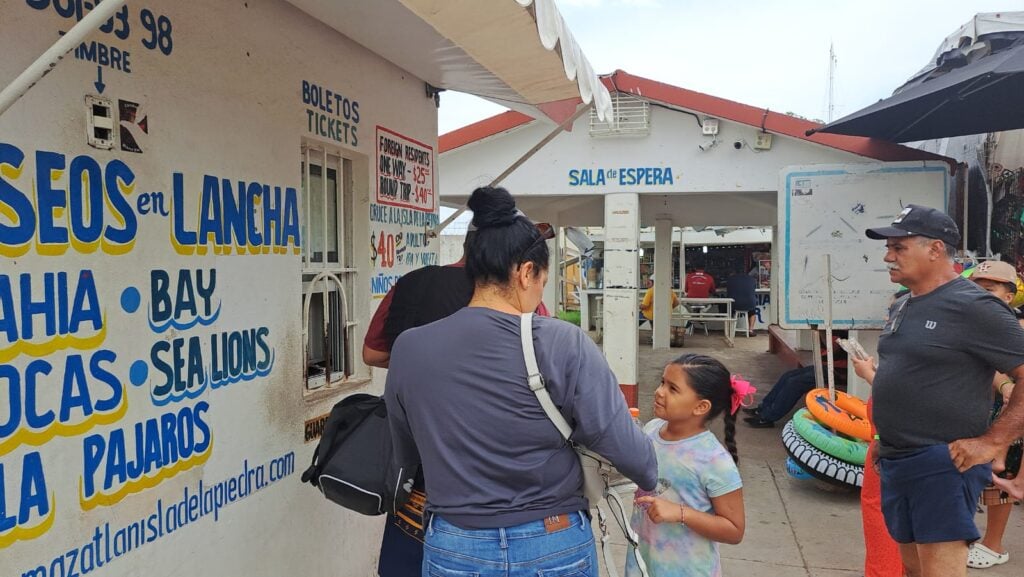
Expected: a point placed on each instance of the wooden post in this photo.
(828, 329)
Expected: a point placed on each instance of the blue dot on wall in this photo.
(130, 299)
(138, 373)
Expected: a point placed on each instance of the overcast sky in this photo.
(763, 53)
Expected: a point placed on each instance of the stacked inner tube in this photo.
(829, 440)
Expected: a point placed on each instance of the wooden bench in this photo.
(779, 347)
(681, 317)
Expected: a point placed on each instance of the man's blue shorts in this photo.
(926, 500)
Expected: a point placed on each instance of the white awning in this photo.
(517, 53)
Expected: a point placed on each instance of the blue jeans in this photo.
(518, 551)
(787, 392)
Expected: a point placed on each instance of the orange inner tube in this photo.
(836, 417)
(851, 404)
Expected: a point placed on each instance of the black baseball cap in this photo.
(917, 220)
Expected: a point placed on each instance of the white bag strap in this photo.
(632, 539)
(536, 382)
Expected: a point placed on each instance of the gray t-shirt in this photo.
(457, 392)
(937, 356)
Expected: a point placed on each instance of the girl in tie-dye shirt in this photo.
(698, 502)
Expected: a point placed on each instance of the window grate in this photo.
(327, 275)
(631, 116)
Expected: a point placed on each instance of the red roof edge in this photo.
(774, 122)
(763, 118)
(480, 130)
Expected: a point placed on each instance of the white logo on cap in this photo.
(930, 325)
(902, 215)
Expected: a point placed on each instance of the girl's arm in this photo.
(725, 525)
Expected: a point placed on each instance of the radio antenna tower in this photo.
(832, 61)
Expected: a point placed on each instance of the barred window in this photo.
(327, 272)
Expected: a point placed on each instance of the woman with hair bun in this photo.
(504, 489)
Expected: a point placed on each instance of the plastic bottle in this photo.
(635, 413)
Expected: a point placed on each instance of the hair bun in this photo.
(492, 206)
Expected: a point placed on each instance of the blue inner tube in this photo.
(796, 471)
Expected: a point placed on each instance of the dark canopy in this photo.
(985, 95)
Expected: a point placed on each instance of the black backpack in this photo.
(353, 465)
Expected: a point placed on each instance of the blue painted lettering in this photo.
(81, 402)
(31, 502)
(62, 312)
(94, 194)
(645, 176)
(121, 458)
(240, 356)
(183, 370)
(329, 101)
(103, 55)
(636, 176)
(152, 202)
(271, 218)
(187, 293)
(14, 237)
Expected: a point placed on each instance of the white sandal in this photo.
(981, 557)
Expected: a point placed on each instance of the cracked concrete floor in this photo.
(794, 528)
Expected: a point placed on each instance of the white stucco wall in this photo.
(451, 247)
(84, 389)
(723, 185)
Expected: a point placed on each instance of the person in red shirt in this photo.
(699, 284)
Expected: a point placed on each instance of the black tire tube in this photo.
(817, 463)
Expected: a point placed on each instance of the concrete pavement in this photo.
(794, 528)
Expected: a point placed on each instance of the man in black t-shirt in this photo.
(742, 289)
(938, 353)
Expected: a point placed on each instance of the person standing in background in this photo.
(1000, 279)
(881, 553)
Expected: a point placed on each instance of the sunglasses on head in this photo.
(547, 232)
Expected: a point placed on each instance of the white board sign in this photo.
(825, 209)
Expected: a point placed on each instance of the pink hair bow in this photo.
(742, 393)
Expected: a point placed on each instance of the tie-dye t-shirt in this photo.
(691, 471)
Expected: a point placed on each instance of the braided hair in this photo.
(709, 378)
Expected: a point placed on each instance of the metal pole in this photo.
(432, 233)
(828, 329)
(957, 181)
(102, 12)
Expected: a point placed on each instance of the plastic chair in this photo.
(698, 309)
(746, 322)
